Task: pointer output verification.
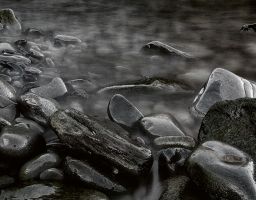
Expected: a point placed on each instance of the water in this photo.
(114, 32)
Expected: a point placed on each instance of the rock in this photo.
(222, 171)
(18, 144)
(222, 85)
(32, 70)
(50, 62)
(14, 59)
(31, 192)
(7, 91)
(231, 122)
(4, 123)
(55, 88)
(159, 48)
(88, 137)
(82, 84)
(172, 161)
(37, 108)
(6, 78)
(33, 33)
(175, 141)
(82, 172)
(30, 125)
(64, 40)
(161, 125)
(9, 21)
(33, 168)
(7, 109)
(123, 112)
(93, 195)
(52, 174)
(6, 181)
(6, 48)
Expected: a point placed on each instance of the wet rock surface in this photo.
(175, 141)
(232, 172)
(231, 122)
(9, 21)
(52, 174)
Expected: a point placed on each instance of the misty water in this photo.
(115, 30)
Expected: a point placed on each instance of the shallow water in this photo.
(114, 32)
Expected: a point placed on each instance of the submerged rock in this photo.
(88, 137)
(159, 48)
(18, 144)
(14, 59)
(175, 141)
(161, 125)
(93, 195)
(52, 174)
(64, 40)
(222, 171)
(38, 108)
(55, 88)
(9, 21)
(222, 85)
(33, 168)
(84, 173)
(123, 112)
(6, 48)
(30, 124)
(232, 122)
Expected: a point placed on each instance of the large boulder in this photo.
(232, 122)
(9, 21)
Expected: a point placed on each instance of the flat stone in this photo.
(123, 112)
(159, 48)
(161, 125)
(52, 174)
(231, 122)
(33, 168)
(18, 144)
(84, 173)
(222, 85)
(55, 88)
(38, 108)
(222, 171)
(175, 141)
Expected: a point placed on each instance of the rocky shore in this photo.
(45, 147)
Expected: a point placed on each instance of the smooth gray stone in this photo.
(52, 174)
(30, 124)
(6, 47)
(175, 141)
(33, 168)
(18, 144)
(37, 108)
(84, 173)
(55, 88)
(93, 195)
(31, 192)
(123, 112)
(159, 48)
(222, 171)
(161, 125)
(9, 112)
(222, 85)
(82, 84)
(7, 91)
(6, 181)
(15, 59)
(10, 22)
(86, 136)
(32, 70)
(64, 40)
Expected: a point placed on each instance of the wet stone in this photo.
(15, 59)
(231, 175)
(231, 122)
(175, 141)
(10, 22)
(159, 48)
(37, 108)
(172, 161)
(30, 124)
(52, 174)
(33, 33)
(6, 48)
(6, 78)
(33, 168)
(55, 88)
(123, 112)
(222, 85)
(161, 125)
(84, 173)
(7, 112)
(6, 181)
(32, 71)
(64, 40)
(86, 136)
(7, 91)
(93, 195)
(18, 144)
